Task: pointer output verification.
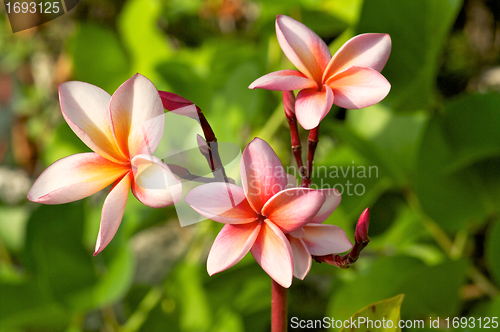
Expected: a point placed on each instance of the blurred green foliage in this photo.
(433, 147)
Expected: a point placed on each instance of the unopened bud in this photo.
(202, 145)
(361, 233)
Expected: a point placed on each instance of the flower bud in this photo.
(361, 233)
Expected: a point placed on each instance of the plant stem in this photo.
(279, 312)
(214, 161)
(312, 143)
(289, 106)
(185, 174)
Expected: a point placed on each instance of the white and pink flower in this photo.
(259, 215)
(123, 130)
(350, 79)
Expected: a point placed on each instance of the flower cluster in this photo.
(280, 223)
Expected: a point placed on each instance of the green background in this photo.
(435, 142)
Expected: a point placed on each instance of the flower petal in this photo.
(154, 184)
(284, 80)
(231, 245)
(221, 202)
(85, 108)
(369, 50)
(332, 201)
(301, 258)
(293, 208)
(262, 173)
(112, 212)
(358, 87)
(172, 101)
(325, 239)
(312, 106)
(302, 47)
(137, 115)
(75, 177)
(274, 254)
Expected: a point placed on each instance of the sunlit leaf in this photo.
(379, 316)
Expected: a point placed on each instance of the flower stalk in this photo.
(289, 106)
(183, 106)
(279, 308)
(361, 241)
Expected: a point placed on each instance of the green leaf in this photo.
(493, 250)
(25, 305)
(470, 125)
(98, 57)
(427, 289)
(196, 314)
(111, 286)
(397, 136)
(386, 311)
(146, 44)
(55, 251)
(63, 266)
(454, 179)
(418, 29)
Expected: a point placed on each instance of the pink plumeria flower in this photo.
(349, 79)
(258, 216)
(122, 130)
(316, 239)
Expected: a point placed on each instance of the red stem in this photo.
(289, 106)
(279, 312)
(312, 143)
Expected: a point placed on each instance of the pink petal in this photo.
(312, 106)
(221, 202)
(172, 101)
(293, 208)
(302, 47)
(274, 254)
(284, 80)
(85, 108)
(367, 50)
(154, 184)
(301, 258)
(358, 87)
(231, 245)
(262, 173)
(75, 177)
(332, 201)
(325, 239)
(137, 116)
(112, 212)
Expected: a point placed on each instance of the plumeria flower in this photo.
(349, 79)
(258, 215)
(122, 130)
(316, 239)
